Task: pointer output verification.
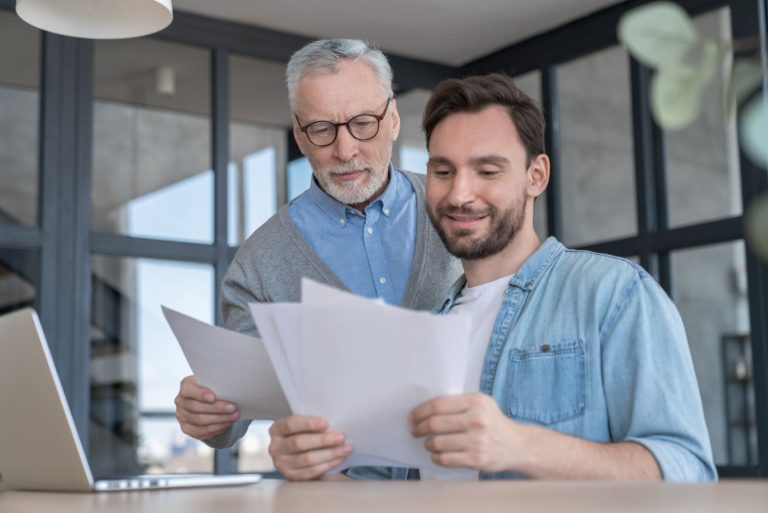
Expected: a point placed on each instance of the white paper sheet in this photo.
(280, 327)
(366, 365)
(235, 366)
(360, 363)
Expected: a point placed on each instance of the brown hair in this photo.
(475, 93)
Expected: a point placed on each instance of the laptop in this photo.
(39, 445)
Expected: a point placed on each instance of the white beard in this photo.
(357, 191)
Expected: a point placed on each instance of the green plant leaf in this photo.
(746, 75)
(659, 35)
(756, 226)
(676, 92)
(754, 131)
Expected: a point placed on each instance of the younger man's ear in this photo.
(538, 175)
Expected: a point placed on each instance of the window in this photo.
(137, 364)
(410, 151)
(152, 144)
(19, 115)
(702, 160)
(597, 160)
(19, 275)
(257, 141)
(530, 84)
(711, 292)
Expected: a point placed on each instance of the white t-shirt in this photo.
(482, 305)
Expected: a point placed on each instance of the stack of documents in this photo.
(360, 363)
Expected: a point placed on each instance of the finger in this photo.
(447, 404)
(204, 432)
(315, 472)
(194, 406)
(304, 442)
(440, 424)
(205, 419)
(453, 459)
(314, 458)
(296, 424)
(447, 443)
(191, 390)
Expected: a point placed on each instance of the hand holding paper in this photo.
(234, 366)
(364, 365)
(350, 370)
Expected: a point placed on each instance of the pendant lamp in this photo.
(97, 19)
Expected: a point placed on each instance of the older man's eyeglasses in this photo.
(362, 128)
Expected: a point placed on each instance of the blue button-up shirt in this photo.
(591, 346)
(370, 252)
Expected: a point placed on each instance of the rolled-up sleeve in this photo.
(650, 385)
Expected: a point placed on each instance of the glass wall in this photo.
(137, 364)
(19, 276)
(530, 84)
(711, 292)
(299, 176)
(19, 120)
(152, 140)
(258, 114)
(410, 151)
(598, 188)
(702, 160)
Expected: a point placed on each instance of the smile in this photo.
(469, 220)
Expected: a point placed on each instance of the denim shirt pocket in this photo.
(546, 384)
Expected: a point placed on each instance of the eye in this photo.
(442, 172)
(362, 122)
(488, 173)
(320, 129)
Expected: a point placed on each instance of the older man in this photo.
(579, 366)
(361, 226)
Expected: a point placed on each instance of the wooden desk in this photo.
(388, 497)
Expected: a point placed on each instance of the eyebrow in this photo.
(489, 159)
(368, 112)
(475, 161)
(438, 160)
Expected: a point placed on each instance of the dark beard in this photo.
(504, 228)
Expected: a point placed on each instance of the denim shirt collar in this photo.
(525, 278)
(338, 211)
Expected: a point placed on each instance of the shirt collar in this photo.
(525, 278)
(337, 210)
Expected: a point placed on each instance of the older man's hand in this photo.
(199, 413)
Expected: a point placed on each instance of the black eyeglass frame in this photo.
(336, 126)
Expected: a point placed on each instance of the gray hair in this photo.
(324, 57)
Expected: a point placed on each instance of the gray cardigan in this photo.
(269, 266)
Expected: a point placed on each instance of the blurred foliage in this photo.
(662, 36)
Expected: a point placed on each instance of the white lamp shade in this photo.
(97, 19)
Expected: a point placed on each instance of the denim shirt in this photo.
(590, 345)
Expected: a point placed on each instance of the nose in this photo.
(345, 147)
(461, 191)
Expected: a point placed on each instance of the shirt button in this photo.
(386, 211)
(545, 348)
(370, 231)
(342, 220)
(382, 280)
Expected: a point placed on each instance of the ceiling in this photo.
(451, 32)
